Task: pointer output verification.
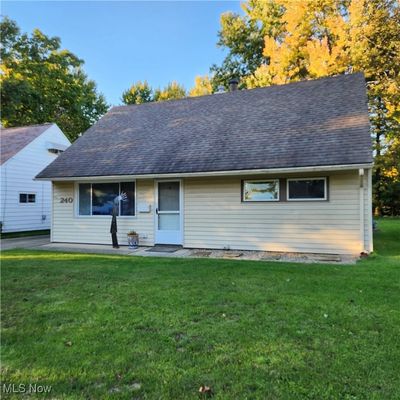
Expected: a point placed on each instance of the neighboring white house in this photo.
(283, 168)
(25, 151)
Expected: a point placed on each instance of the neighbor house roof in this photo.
(13, 140)
(310, 123)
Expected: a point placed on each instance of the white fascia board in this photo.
(271, 171)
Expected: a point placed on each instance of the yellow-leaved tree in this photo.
(309, 39)
(202, 86)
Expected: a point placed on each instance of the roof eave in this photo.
(266, 171)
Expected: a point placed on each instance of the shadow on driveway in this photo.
(27, 242)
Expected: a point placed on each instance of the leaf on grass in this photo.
(205, 390)
(69, 343)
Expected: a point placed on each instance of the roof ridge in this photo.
(27, 126)
(193, 98)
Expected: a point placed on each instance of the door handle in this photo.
(157, 211)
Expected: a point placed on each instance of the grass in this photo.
(117, 327)
(9, 235)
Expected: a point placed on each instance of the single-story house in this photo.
(282, 168)
(25, 151)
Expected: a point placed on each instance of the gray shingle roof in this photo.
(14, 140)
(309, 123)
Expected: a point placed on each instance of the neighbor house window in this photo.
(27, 198)
(265, 190)
(98, 198)
(307, 189)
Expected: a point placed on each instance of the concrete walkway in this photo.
(43, 243)
(27, 242)
(107, 249)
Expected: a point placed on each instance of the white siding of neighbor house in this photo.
(17, 176)
(215, 217)
(68, 227)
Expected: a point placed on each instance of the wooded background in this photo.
(273, 42)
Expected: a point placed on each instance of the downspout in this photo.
(362, 224)
(52, 212)
(370, 247)
(42, 205)
(3, 215)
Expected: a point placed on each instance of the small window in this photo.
(265, 190)
(98, 198)
(306, 189)
(27, 198)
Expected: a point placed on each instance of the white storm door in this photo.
(168, 212)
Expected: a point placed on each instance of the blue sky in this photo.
(122, 42)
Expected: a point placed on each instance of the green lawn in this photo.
(120, 327)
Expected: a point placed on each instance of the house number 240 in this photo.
(66, 200)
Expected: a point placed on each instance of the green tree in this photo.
(40, 82)
(172, 91)
(139, 93)
(244, 37)
(310, 39)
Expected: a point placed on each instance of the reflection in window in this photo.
(27, 198)
(266, 190)
(103, 195)
(84, 198)
(128, 206)
(307, 189)
(98, 198)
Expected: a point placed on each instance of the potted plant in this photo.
(133, 240)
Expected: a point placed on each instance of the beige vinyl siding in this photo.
(68, 227)
(215, 217)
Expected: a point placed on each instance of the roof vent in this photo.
(233, 84)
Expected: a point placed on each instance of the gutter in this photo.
(270, 171)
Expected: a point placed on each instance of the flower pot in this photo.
(133, 241)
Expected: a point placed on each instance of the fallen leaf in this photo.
(205, 390)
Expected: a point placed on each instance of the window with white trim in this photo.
(98, 198)
(27, 198)
(261, 190)
(305, 189)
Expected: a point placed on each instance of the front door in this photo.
(168, 212)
